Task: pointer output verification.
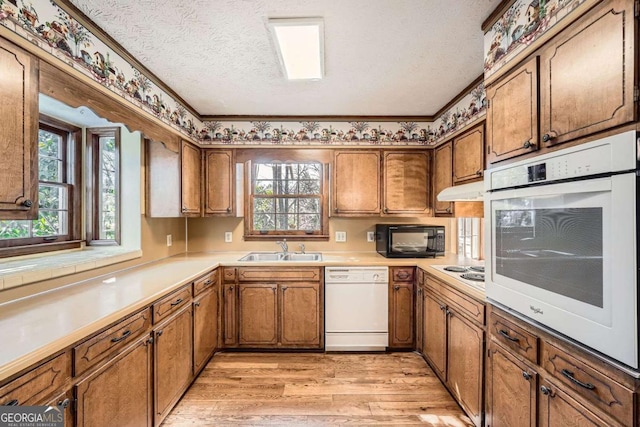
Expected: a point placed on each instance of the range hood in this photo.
(472, 192)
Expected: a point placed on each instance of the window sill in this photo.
(289, 237)
(23, 270)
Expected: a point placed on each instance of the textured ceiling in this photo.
(382, 57)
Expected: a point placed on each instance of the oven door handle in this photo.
(571, 187)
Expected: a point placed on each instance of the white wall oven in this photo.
(561, 243)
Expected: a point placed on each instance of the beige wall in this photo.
(207, 234)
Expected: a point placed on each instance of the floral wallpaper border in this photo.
(51, 28)
(522, 24)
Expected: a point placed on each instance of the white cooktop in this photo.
(472, 283)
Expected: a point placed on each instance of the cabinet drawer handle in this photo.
(546, 137)
(13, 402)
(546, 391)
(176, 302)
(526, 375)
(570, 377)
(507, 336)
(403, 275)
(64, 404)
(208, 282)
(125, 334)
(528, 144)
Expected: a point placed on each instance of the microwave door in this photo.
(564, 255)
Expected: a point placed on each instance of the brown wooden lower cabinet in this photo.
(257, 314)
(120, 392)
(229, 315)
(435, 333)
(301, 315)
(173, 359)
(64, 402)
(205, 327)
(511, 390)
(401, 323)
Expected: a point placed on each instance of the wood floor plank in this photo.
(296, 389)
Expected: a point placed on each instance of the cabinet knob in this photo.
(230, 288)
(196, 304)
(396, 288)
(228, 210)
(528, 144)
(442, 307)
(448, 210)
(479, 172)
(419, 291)
(526, 375)
(150, 340)
(284, 288)
(385, 210)
(159, 333)
(64, 404)
(546, 137)
(27, 203)
(448, 312)
(546, 391)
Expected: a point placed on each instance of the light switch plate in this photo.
(228, 237)
(169, 240)
(341, 236)
(371, 236)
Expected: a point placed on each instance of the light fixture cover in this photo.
(300, 46)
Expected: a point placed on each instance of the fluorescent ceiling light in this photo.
(300, 45)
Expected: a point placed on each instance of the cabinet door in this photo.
(401, 322)
(205, 327)
(464, 363)
(64, 402)
(406, 185)
(512, 114)
(219, 181)
(230, 313)
(190, 182)
(435, 334)
(120, 392)
(355, 184)
(257, 314)
(301, 315)
(468, 155)
(173, 361)
(18, 133)
(442, 177)
(511, 390)
(558, 408)
(586, 74)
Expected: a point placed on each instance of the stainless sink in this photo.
(262, 256)
(311, 256)
(278, 256)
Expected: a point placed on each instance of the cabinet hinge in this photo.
(636, 94)
(636, 8)
(489, 101)
(488, 353)
(74, 405)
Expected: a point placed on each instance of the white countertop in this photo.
(35, 327)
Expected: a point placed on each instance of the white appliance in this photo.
(561, 243)
(356, 308)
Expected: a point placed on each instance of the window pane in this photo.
(12, 229)
(50, 223)
(309, 222)
(50, 159)
(263, 205)
(263, 187)
(107, 205)
(286, 222)
(309, 205)
(52, 197)
(264, 222)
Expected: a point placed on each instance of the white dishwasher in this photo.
(356, 308)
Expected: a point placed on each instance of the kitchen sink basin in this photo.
(278, 256)
(311, 256)
(262, 256)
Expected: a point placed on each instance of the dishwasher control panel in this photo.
(356, 274)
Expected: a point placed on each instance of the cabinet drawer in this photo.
(205, 282)
(402, 274)
(291, 274)
(37, 385)
(514, 337)
(597, 387)
(109, 341)
(464, 304)
(229, 274)
(171, 303)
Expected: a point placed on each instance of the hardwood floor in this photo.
(298, 389)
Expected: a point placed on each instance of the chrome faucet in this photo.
(283, 245)
(301, 248)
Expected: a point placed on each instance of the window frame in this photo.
(476, 229)
(286, 156)
(93, 136)
(72, 173)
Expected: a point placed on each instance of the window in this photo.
(103, 193)
(469, 242)
(287, 199)
(58, 197)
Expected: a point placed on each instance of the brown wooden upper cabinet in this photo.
(190, 182)
(219, 181)
(583, 78)
(442, 177)
(512, 114)
(355, 184)
(406, 182)
(468, 155)
(18, 133)
(586, 74)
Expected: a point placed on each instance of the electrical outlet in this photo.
(341, 236)
(228, 237)
(371, 236)
(169, 240)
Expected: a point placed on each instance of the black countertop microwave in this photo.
(409, 240)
